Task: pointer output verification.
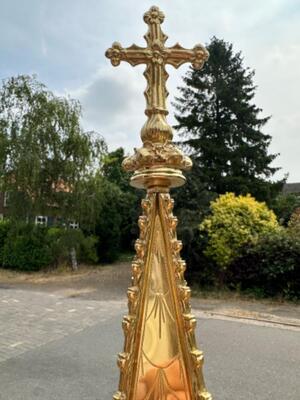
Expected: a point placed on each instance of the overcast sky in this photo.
(64, 41)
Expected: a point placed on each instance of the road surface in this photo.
(56, 346)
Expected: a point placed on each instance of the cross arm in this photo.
(134, 54)
(178, 55)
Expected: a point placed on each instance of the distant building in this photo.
(291, 188)
(45, 220)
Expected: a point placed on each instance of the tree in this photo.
(129, 209)
(112, 169)
(108, 224)
(192, 202)
(221, 126)
(45, 154)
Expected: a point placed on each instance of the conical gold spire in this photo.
(160, 360)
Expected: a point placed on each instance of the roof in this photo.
(291, 188)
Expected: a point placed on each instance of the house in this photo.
(45, 220)
(291, 188)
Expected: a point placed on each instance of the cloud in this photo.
(64, 43)
(113, 104)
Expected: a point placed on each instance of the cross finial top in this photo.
(154, 16)
(156, 56)
(156, 131)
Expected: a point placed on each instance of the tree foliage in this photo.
(44, 151)
(99, 202)
(129, 208)
(113, 171)
(222, 127)
(284, 205)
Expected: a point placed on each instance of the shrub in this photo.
(271, 265)
(62, 240)
(235, 221)
(201, 270)
(88, 251)
(26, 248)
(284, 206)
(294, 223)
(4, 229)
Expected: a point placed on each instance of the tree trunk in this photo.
(73, 259)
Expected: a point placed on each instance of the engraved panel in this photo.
(161, 371)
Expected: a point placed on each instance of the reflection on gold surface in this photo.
(163, 383)
(161, 369)
(160, 360)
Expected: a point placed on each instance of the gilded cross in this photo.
(156, 56)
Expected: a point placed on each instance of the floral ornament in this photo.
(115, 54)
(154, 16)
(200, 56)
(166, 154)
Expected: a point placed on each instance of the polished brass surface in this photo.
(160, 360)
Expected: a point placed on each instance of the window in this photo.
(74, 225)
(41, 220)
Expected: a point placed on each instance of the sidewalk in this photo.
(265, 311)
(110, 283)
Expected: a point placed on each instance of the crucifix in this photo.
(160, 359)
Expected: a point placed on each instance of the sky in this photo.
(64, 41)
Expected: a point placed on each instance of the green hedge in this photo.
(28, 247)
(271, 267)
(268, 267)
(61, 241)
(201, 270)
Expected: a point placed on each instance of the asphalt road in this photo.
(243, 362)
(59, 339)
